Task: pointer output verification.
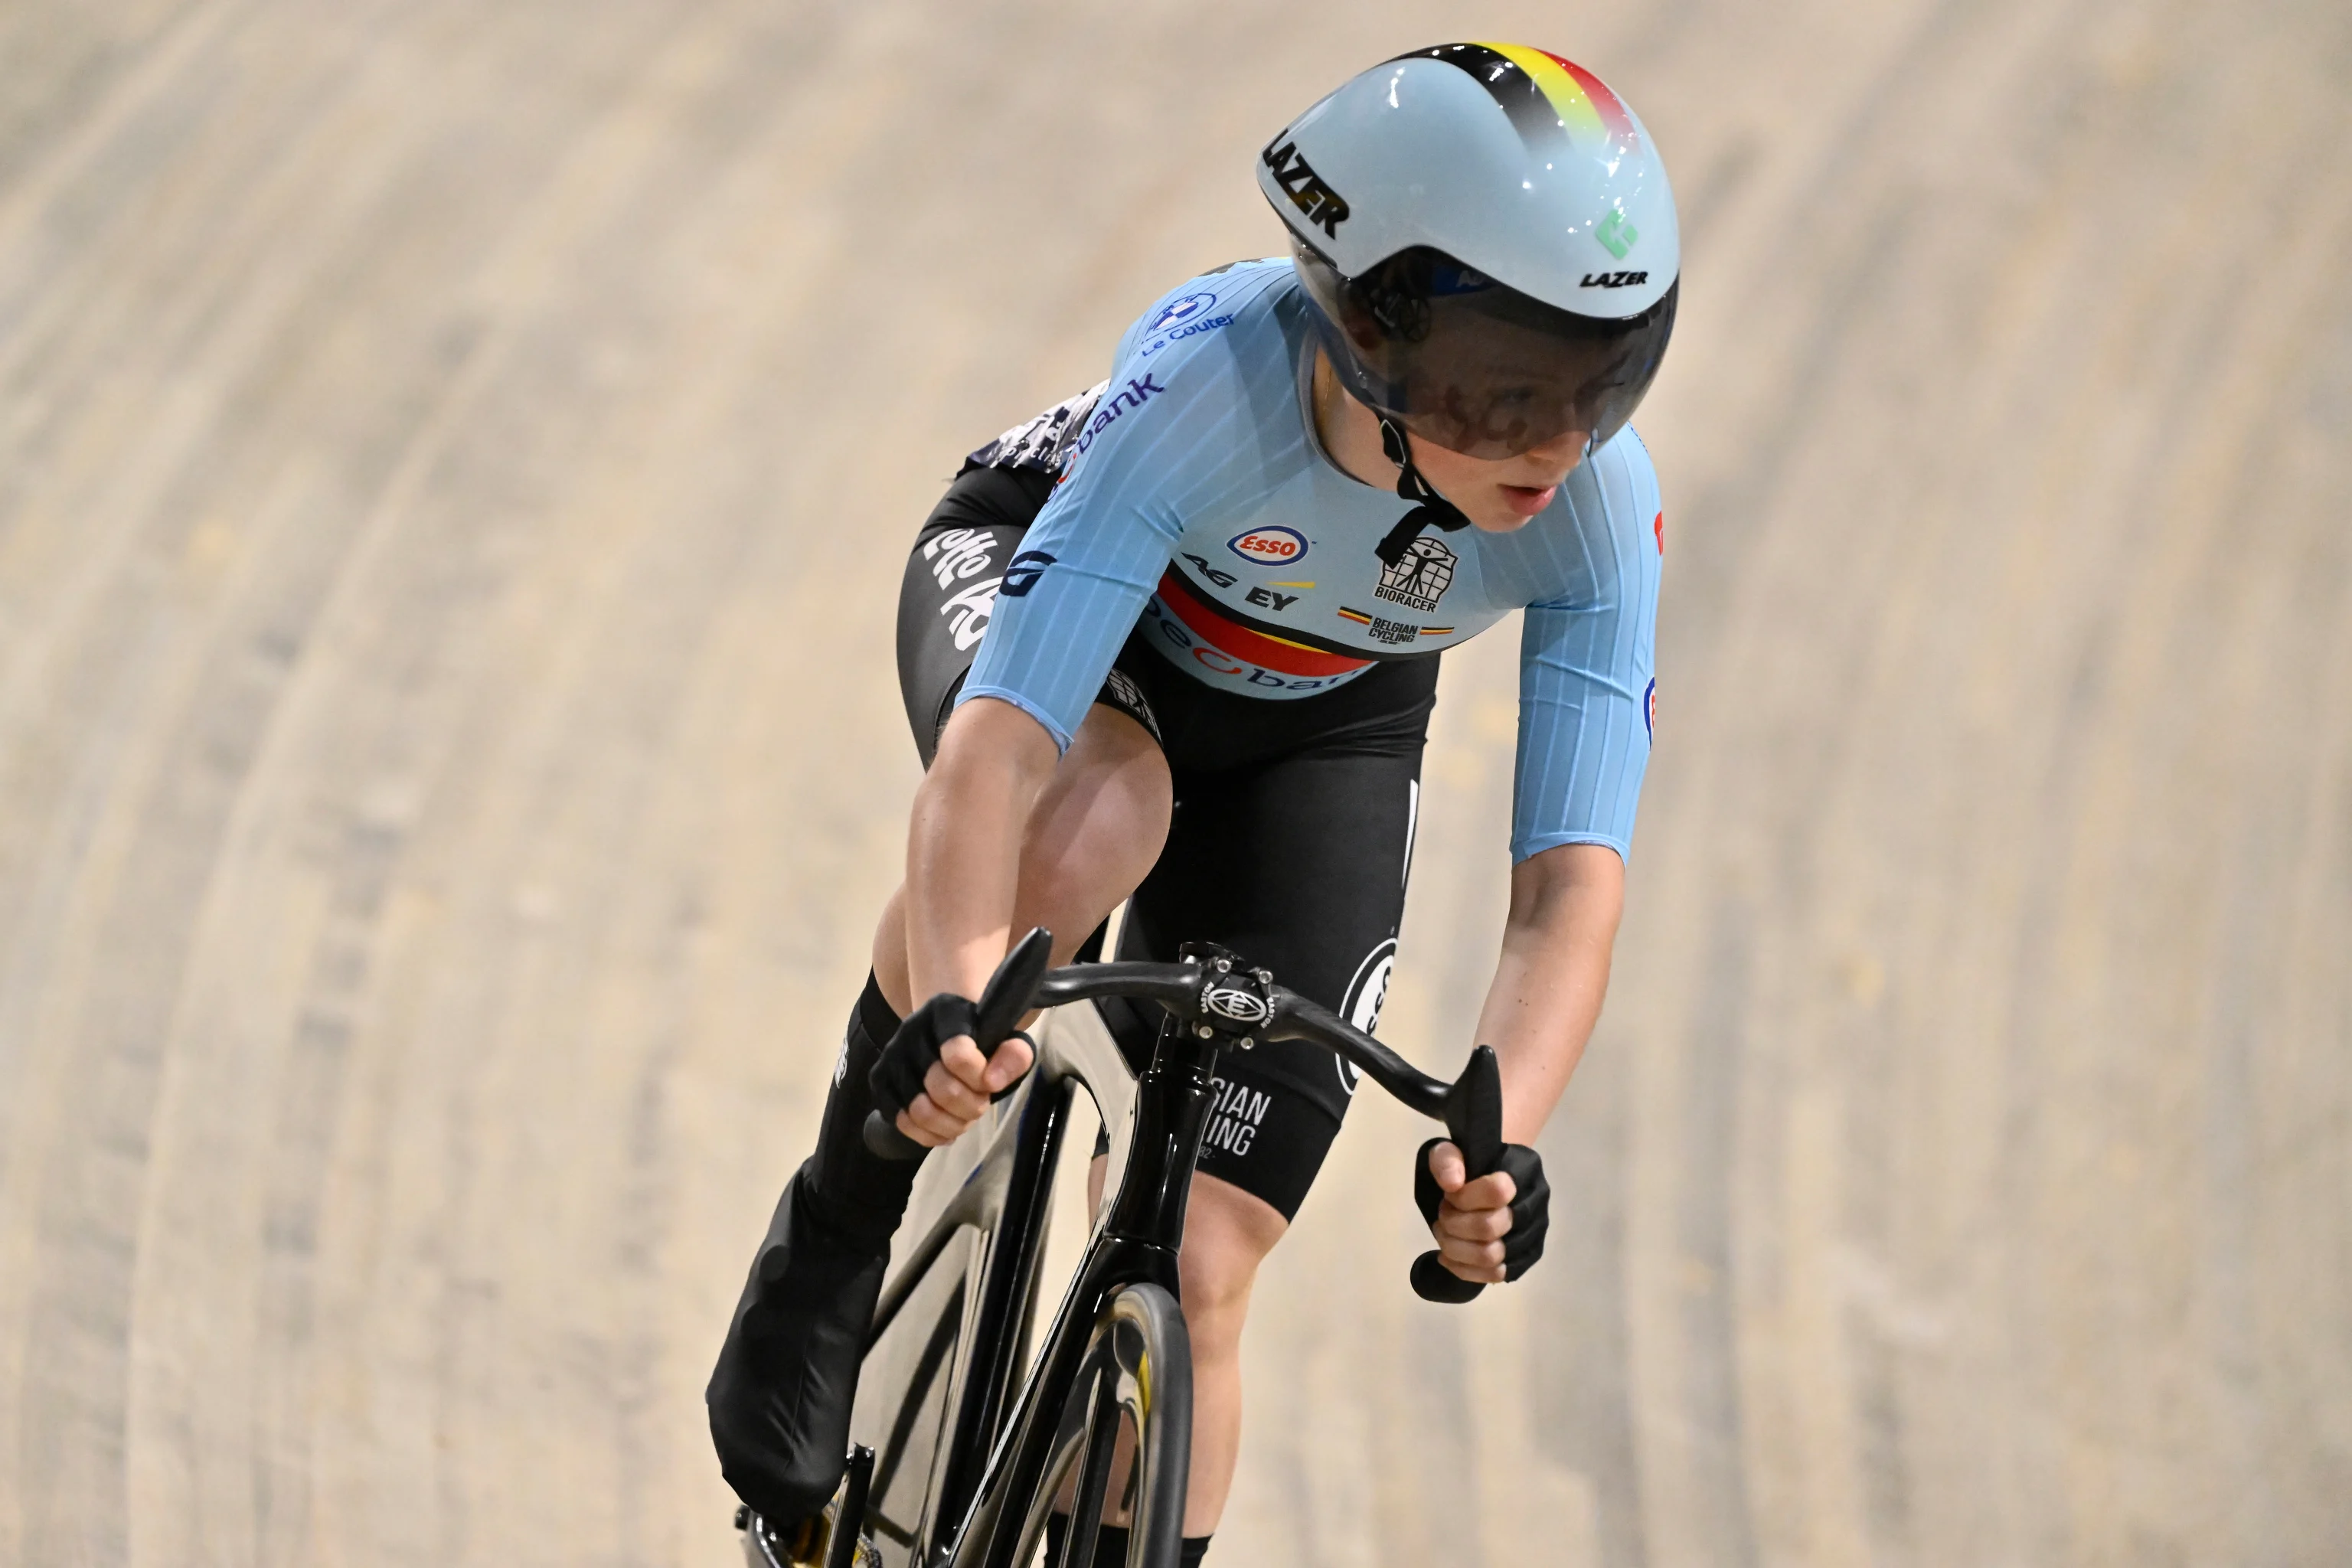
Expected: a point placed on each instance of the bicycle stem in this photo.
(1173, 1099)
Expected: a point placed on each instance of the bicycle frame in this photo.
(1155, 1122)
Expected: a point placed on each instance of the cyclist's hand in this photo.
(958, 1086)
(1490, 1230)
(934, 1075)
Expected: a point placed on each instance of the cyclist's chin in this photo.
(1499, 496)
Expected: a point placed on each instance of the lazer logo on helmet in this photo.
(1612, 279)
(1269, 546)
(1319, 202)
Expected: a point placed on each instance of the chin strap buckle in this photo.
(1434, 509)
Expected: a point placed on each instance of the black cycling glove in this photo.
(898, 1077)
(914, 1045)
(1530, 1208)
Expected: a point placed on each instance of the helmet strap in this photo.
(1434, 508)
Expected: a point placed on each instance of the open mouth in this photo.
(1527, 499)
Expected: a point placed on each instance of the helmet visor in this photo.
(1476, 366)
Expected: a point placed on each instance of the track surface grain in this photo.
(453, 464)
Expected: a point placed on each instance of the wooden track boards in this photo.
(454, 467)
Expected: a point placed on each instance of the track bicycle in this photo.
(961, 1452)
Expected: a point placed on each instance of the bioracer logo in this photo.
(1319, 202)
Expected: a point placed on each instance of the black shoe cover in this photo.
(779, 1397)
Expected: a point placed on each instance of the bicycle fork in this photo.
(1138, 1243)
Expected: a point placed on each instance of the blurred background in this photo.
(455, 463)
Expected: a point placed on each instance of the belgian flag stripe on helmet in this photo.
(1542, 93)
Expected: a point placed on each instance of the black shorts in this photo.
(1290, 841)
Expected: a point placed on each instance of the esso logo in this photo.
(1268, 546)
(1180, 310)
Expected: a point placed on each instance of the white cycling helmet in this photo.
(1489, 240)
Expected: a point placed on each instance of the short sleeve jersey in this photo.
(1194, 502)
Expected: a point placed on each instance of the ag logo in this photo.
(1233, 1003)
(1180, 310)
(1269, 546)
(1650, 710)
(1421, 576)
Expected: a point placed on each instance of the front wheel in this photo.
(1123, 1449)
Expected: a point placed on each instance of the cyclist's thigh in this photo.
(1299, 864)
(951, 586)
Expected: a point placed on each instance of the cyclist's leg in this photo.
(1095, 832)
(1297, 860)
(780, 1396)
(1098, 824)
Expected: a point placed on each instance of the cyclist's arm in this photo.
(1539, 1012)
(963, 861)
(963, 845)
(1147, 456)
(1585, 687)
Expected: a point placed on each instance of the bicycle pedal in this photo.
(809, 1545)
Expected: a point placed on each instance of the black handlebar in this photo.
(1470, 1106)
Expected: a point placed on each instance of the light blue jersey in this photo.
(1195, 499)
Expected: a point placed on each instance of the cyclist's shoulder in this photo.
(1247, 288)
(1210, 358)
(1615, 489)
(1599, 540)
(1235, 317)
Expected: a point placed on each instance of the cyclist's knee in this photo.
(1227, 1234)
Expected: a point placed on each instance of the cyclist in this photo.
(1174, 642)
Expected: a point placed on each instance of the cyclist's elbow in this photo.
(991, 749)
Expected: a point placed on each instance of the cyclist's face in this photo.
(1503, 493)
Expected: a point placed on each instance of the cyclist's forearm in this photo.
(964, 846)
(1554, 970)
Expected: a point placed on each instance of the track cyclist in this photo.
(1175, 642)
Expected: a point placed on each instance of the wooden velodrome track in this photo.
(455, 466)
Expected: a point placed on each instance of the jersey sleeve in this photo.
(1588, 670)
(1165, 444)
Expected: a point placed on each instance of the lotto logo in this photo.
(1269, 546)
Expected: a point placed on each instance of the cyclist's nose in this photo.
(1558, 457)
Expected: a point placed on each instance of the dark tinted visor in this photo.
(1474, 365)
